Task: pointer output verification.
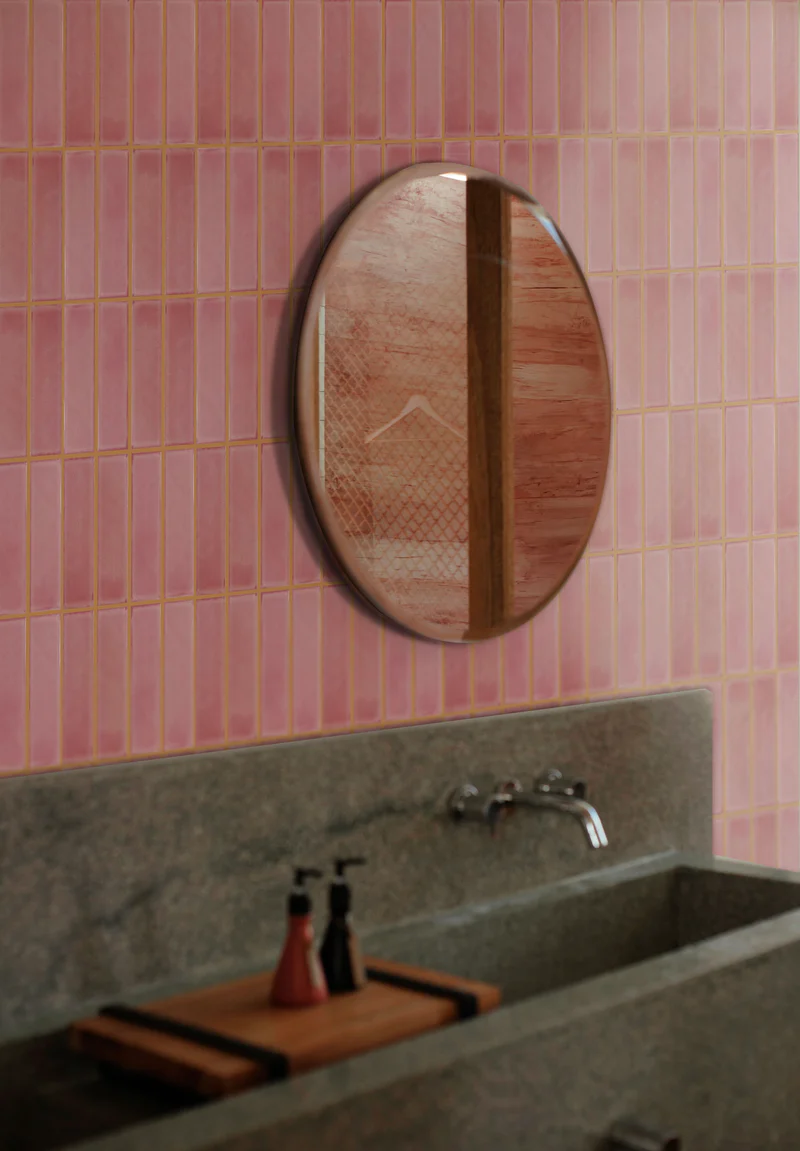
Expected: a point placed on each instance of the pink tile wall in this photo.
(167, 171)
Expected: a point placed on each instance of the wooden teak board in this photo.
(310, 1037)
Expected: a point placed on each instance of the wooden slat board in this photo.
(344, 1026)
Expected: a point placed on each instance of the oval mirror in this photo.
(453, 408)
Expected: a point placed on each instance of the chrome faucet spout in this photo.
(578, 808)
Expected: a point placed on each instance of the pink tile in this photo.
(398, 97)
(544, 174)
(763, 452)
(146, 374)
(571, 90)
(307, 69)
(243, 518)
(544, 70)
(602, 537)
(764, 604)
(397, 674)
(147, 76)
(307, 213)
(486, 674)
(717, 754)
(545, 652)
(336, 649)
(628, 201)
(242, 665)
(786, 241)
(656, 205)
(210, 408)
(14, 73)
(44, 670)
(718, 837)
(762, 199)
(788, 577)
(628, 66)
(274, 365)
(739, 839)
(681, 56)
(737, 472)
(367, 164)
(12, 695)
(428, 68)
(786, 468)
(517, 666)
(13, 538)
(760, 41)
(306, 687)
(681, 207)
(428, 679)
(628, 450)
(786, 306)
(735, 64)
(600, 58)
(572, 206)
(708, 201)
(180, 518)
(79, 254)
(656, 478)
(368, 67)
(709, 473)
(274, 703)
(708, 24)
(762, 321)
(682, 355)
(601, 206)
(46, 206)
(180, 242)
(765, 774)
(306, 541)
(601, 623)
(367, 665)
(181, 79)
(683, 460)
(48, 72)
(243, 242)
(45, 402)
(656, 341)
(211, 83)
(572, 633)
(45, 535)
(516, 162)
(457, 69)
(80, 79)
(765, 833)
(78, 532)
(738, 716)
(79, 378)
(112, 529)
(628, 373)
(275, 518)
(112, 376)
(683, 598)
(629, 620)
(516, 54)
(336, 186)
(789, 838)
(178, 674)
(786, 66)
(709, 609)
(457, 678)
(657, 632)
(243, 368)
(211, 239)
(709, 337)
(210, 519)
(146, 193)
(487, 155)
(244, 71)
(337, 70)
(737, 607)
(656, 81)
(601, 288)
(486, 75)
(113, 224)
(209, 666)
(788, 749)
(146, 526)
(13, 394)
(276, 56)
(735, 207)
(736, 336)
(77, 686)
(13, 226)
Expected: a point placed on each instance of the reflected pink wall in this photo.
(162, 177)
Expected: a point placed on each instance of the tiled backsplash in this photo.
(165, 168)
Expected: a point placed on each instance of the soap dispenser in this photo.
(299, 980)
(340, 953)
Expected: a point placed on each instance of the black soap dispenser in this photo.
(340, 954)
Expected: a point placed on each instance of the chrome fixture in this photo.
(550, 791)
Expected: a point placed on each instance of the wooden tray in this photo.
(282, 1041)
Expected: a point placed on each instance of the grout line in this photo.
(162, 573)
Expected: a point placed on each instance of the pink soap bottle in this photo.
(299, 980)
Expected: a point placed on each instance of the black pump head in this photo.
(352, 861)
(303, 873)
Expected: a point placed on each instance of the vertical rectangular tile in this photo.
(572, 205)
(628, 66)
(708, 22)
(516, 55)
(13, 394)
(656, 79)
(737, 467)
(682, 352)
(517, 666)
(601, 623)
(629, 620)
(336, 644)
(765, 773)
(210, 519)
(210, 360)
(709, 202)
(601, 206)
(242, 517)
(112, 529)
(79, 485)
(786, 339)
(656, 341)
(786, 66)
(736, 335)
(146, 374)
(276, 56)
(786, 468)
(545, 652)
(628, 365)
(709, 609)
(600, 60)
(397, 62)
(367, 666)
(180, 227)
(762, 321)
(275, 517)
(764, 604)
(307, 69)
(179, 529)
(242, 668)
(735, 68)
(786, 198)
(307, 216)
(178, 674)
(571, 86)
(112, 376)
(765, 837)
(762, 199)
(336, 186)
(763, 459)
(709, 473)
(244, 71)
(572, 634)
(275, 678)
(13, 538)
(79, 238)
(147, 74)
(544, 66)
(544, 174)
(683, 602)
(209, 668)
(13, 228)
(146, 526)
(737, 607)
(77, 687)
(516, 162)
(243, 241)
(243, 368)
(212, 36)
(181, 56)
(80, 78)
(146, 222)
(306, 642)
(737, 722)
(628, 198)
(45, 535)
(683, 459)
(79, 378)
(486, 674)
(788, 575)
(681, 58)
(682, 205)
(48, 72)
(45, 690)
(709, 337)
(336, 93)
(486, 74)
(274, 365)
(367, 164)
(629, 481)
(656, 478)
(211, 225)
(656, 203)
(45, 398)
(367, 70)
(113, 224)
(789, 839)
(46, 222)
(457, 681)
(788, 749)
(457, 69)
(14, 72)
(762, 66)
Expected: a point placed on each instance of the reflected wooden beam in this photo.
(489, 420)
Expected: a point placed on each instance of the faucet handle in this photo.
(552, 782)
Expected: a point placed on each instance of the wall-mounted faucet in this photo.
(551, 792)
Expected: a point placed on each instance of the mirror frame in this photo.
(368, 589)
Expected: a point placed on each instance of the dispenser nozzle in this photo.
(303, 873)
(352, 861)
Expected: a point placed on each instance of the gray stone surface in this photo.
(141, 878)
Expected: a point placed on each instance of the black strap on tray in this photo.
(275, 1061)
(465, 1001)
